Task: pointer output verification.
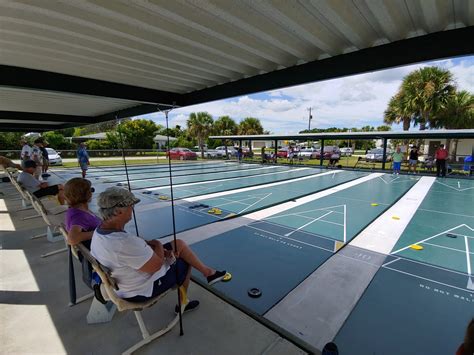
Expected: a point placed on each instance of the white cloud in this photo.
(352, 101)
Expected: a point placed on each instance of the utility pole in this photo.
(309, 118)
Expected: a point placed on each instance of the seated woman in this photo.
(36, 187)
(80, 221)
(142, 269)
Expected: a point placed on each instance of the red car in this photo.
(282, 153)
(182, 154)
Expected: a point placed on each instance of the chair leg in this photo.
(147, 338)
(30, 217)
(54, 252)
(39, 236)
(82, 299)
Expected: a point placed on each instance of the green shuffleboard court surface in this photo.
(421, 300)
(279, 252)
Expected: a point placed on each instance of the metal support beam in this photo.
(24, 78)
(38, 117)
(384, 157)
(321, 158)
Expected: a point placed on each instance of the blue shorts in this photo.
(413, 162)
(84, 166)
(397, 165)
(169, 280)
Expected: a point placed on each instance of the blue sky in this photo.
(352, 101)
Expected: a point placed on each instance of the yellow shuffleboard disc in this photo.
(395, 217)
(416, 247)
(227, 277)
(374, 204)
(163, 197)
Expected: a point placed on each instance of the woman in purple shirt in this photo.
(80, 221)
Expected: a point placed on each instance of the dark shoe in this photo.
(98, 295)
(45, 175)
(191, 306)
(218, 276)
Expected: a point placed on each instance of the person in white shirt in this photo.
(37, 156)
(142, 269)
(25, 152)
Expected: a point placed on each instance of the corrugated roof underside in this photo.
(182, 46)
(59, 103)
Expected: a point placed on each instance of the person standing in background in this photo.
(397, 158)
(83, 158)
(25, 152)
(413, 159)
(37, 157)
(441, 155)
(45, 158)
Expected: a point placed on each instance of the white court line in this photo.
(345, 224)
(448, 213)
(389, 182)
(468, 257)
(459, 185)
(259, 215)
(253, 204)
(434, 236)
(445, 247)
(307, 224)
(390, 262)
(431, 266)
(426, 279)
(301, 214)
(454, 188)
(251, 188)
(302, 231)
(192, 199)
(292, 239)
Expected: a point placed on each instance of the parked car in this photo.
(329, 150)
(182, 154)
(307, 153)
(376, 155)
(212, 154)
(231, 151)
(346, 151)
(54, 157)
(282, 153)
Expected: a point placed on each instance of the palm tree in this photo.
(225, 126)
(426, 91)
(397, 112)
(200, 126)
(458, 114)
(250, 125)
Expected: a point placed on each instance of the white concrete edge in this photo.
(382, 234)
(259, 215)
(214, 181)
(251, 188)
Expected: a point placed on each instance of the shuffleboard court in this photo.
(426, 284)
(280, 251)
(208, 187)
(150, 175)
(152, 219)
(255, 199)
(251, 177)
(133, 169)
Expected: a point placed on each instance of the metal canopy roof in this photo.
(87, 61)
(452, 133)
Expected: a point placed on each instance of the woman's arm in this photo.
(76, 235)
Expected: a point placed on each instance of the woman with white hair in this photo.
(142, 269)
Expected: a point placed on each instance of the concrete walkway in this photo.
(35, 317)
